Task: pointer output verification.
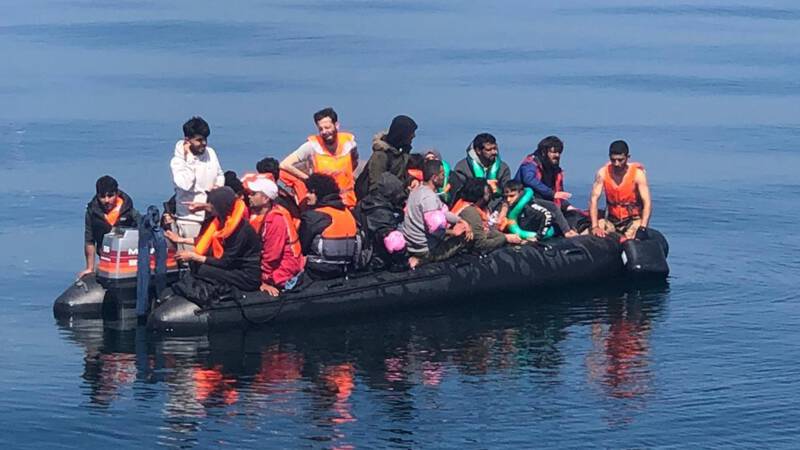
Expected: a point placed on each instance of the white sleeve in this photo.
(182, 175)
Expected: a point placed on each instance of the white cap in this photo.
(264, 185)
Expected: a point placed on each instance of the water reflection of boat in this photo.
(288, 372)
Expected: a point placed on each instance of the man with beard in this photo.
(432, 232)
(329, 152)
(541, 171)
(390, 151)
(482, 161)
(109, 208)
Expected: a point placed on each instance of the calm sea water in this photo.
(705, 92)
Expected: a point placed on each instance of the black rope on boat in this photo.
(262, 322)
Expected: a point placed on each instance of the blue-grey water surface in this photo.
(703, 91)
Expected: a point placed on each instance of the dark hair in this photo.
(415, 161)
(106, 184)
(548, 143)
(233, 182)
(482, 139)
(618, 148)
(326, 112)
(321, 184)
(430, 168)
(269, 165)
(196, 126)
(513, 185)
(474, 189)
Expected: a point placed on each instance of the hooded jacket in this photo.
(95, 222)
(380, 213)
(194, 175)
(385, 158)
(240, 264)
(539, 174)
(463, 171)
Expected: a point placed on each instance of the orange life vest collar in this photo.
(294, 237)
(622, 200)
(112, 217)
(213, 237)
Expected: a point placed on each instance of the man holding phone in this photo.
(195, 171)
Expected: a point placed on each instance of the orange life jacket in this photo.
(257, 221)
(343, 224)
(622, 200)
(294, 238)
(338, 165)
(213, 236)
(113, 216)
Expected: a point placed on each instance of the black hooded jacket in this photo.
(95, 223)
(381, 212)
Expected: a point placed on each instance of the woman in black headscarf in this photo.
(228, 250)
(390, 151)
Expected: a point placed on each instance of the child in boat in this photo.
(521, 215)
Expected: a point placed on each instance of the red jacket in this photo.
(279, 263)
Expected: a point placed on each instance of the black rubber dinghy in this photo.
(559, 262)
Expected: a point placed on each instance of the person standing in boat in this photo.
(432, 232)
(390, 151)
(541, 171)
(328, 230)
(229, 249)
(109, 208)
(482, 161)
(281, 255)
(330, 152)
(195, 171)
(472, 208)
(628, 203)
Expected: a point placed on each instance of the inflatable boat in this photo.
(511, 269)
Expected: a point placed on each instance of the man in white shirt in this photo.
(195, 171)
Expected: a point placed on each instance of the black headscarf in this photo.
(400, 132)
(222, 200)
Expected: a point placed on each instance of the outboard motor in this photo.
(112, 291)
(118, 265)
(646, 256)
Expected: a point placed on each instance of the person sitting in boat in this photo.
(390, 151)
(380, 215)
(328, 231)
(482, 161)
(228, 249)
(110, 207)
(195, 170)
(291, 190)
(432, 232)
(628, 204)
(413, 175)
(472, 208)
(445, 189)
(521, 215)
(330, 152)
(541, 171)
(281, 255)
